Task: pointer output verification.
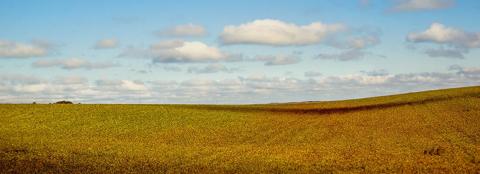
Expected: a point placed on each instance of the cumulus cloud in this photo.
(10, 49)
(458, 40)
(106, 44)
(212, 68)
(72, 63)
(184, 30)
(121, 85)
(441, 34)
(418, 5)
(177, 51)
(278, 33)
(272, 60)
(187, 52)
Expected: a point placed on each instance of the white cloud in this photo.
(271, 60)
(439, 33)
(366, 79)
(458, 40)
(120, 85)
(10, 49)
(278, 33)
(134, 86)
(178, 51)
(188, 52)
(184, 30)
(106, 44)
(17, 87)
(72, 63)
(30, 88)
(417, 5)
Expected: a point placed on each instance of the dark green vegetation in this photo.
(435, 131)
(64, 102)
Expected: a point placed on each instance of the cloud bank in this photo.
(243, 89)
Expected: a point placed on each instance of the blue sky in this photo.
(234, 52)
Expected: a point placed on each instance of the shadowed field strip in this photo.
(334, 110)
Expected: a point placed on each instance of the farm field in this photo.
(427, 132)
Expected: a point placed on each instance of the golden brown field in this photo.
(426, 132)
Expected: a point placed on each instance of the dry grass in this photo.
(436, 131)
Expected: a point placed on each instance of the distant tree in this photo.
(34, 103)
(64, 102)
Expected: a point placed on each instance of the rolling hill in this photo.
(433, 131)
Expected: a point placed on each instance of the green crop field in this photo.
(426, 132)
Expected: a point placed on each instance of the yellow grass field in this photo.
(426, 132)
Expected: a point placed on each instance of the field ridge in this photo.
(283, 107)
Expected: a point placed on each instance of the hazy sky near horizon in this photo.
(249, 51)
